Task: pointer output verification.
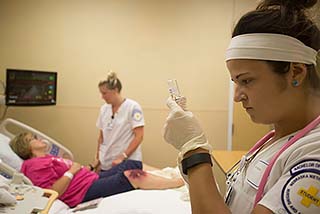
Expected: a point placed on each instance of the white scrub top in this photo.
(293, 185)
(118, 132)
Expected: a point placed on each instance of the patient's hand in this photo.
(74, 169)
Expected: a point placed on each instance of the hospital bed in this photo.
(133, 202)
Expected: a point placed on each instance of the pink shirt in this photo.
(45, 171)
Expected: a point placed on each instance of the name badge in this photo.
(255, 175)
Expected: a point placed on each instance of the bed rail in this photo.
(54, 147)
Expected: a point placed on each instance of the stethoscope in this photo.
(237, 168)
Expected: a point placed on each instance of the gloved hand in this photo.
(183, 131)
(182, 102)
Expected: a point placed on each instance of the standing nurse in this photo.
(273, 59)
(120, 124)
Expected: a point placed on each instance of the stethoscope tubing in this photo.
(231, 172)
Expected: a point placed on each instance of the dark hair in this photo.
(288, 17)
(112, 82)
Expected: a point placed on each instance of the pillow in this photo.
(7, 155)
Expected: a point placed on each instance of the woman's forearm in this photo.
(204, 194)
(99, 141)
(136, 141)
(63, 182)
(133, 145)
(61, 185)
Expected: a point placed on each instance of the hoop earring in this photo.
(295, 83)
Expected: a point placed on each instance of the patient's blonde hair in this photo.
(112, 82)
(21, 145)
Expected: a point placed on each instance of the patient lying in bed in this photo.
(75, 183)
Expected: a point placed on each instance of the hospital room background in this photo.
(146, 42)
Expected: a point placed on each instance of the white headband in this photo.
(267, 46)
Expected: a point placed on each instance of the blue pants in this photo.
(112, 181)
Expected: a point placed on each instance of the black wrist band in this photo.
(194, 160)
(91, 167)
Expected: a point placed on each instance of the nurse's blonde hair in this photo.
(112, 82)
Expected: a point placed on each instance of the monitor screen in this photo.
(29, 88)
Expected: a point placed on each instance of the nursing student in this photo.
(273, 60)
(120, 123)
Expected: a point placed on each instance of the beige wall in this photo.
(145, 41)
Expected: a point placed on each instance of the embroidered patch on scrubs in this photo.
(137, 115)
(301, 193)
(310, 164)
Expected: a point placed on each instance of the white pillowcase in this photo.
(7, 155)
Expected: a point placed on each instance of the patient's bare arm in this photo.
(62, 183)
(140, 179)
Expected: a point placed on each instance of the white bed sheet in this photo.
(138, 202)
(144, 202)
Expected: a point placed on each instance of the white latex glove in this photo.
(182, 102)
(183, 131)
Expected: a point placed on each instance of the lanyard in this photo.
(266, 173)
(256, 147)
